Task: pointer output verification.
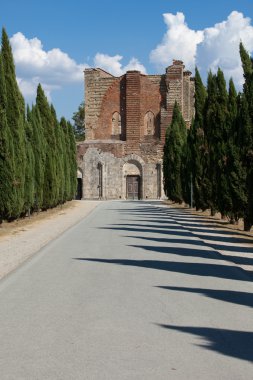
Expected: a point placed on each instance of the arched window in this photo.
(149, 124)
(116, 124)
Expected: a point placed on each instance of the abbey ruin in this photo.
(125, 122)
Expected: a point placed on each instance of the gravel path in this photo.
(17, 248)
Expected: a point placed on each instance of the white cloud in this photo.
(134, 64)
(220, 46)
(113, 65)
(210, 48)
(34, 65)
(213, 47)
(179, 42)
(28, 87)
(54, 69)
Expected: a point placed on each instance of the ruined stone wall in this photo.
(143, 105)
(97, 83)
(111, 180)
(132, 96)
(114, 173)
(150, 101)
(109, 105)
(187, 114)
(180, 88)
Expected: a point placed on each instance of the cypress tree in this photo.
(30, 170)
(176, 136)
(211, 140)
(246, 121)
(216, 132)
(72, 161)
(70, 165)
(15, 114)
(198, 146)
(248, 76)
(186, 169)
(221, 129)
(236, 173)
(39, 153)
(245, 148)
(50, 181)
(66, 162)
(7, 173)
(61, 153)
(57, 157)
(34, 148)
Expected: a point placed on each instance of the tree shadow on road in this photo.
(237, 344)
(198, 252)
(194, 269)
(232, 296)
(218, 243)
(174, 230)
(181, 251)
(167, 222)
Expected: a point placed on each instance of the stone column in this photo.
(133, 121)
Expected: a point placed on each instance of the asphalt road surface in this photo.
(131, 292)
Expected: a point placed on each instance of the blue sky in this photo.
(53, 41)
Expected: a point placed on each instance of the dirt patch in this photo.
(22, 224)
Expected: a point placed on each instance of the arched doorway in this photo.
(133, 176)
(79, 191)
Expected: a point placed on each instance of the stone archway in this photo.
(132, 173)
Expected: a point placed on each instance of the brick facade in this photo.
(125, 121)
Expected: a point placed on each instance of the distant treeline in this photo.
(37, 153)
(213, 161)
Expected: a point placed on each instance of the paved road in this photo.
(131, 292)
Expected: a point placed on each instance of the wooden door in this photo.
(133, 186)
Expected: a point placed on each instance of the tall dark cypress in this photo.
(246, 116)
(61, 148)
(50, 180)
(7, 170)
(66, 161)
(247, 66)
(57, 152)
(236, 173)
(72, 160)
(245, 142)
(186, 170)
(211, 140)
(30, 170)
(15, 114)
(221, 127)
(39, 152)
(198, 146)
(175, 143)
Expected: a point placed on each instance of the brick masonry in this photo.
(143, 105)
